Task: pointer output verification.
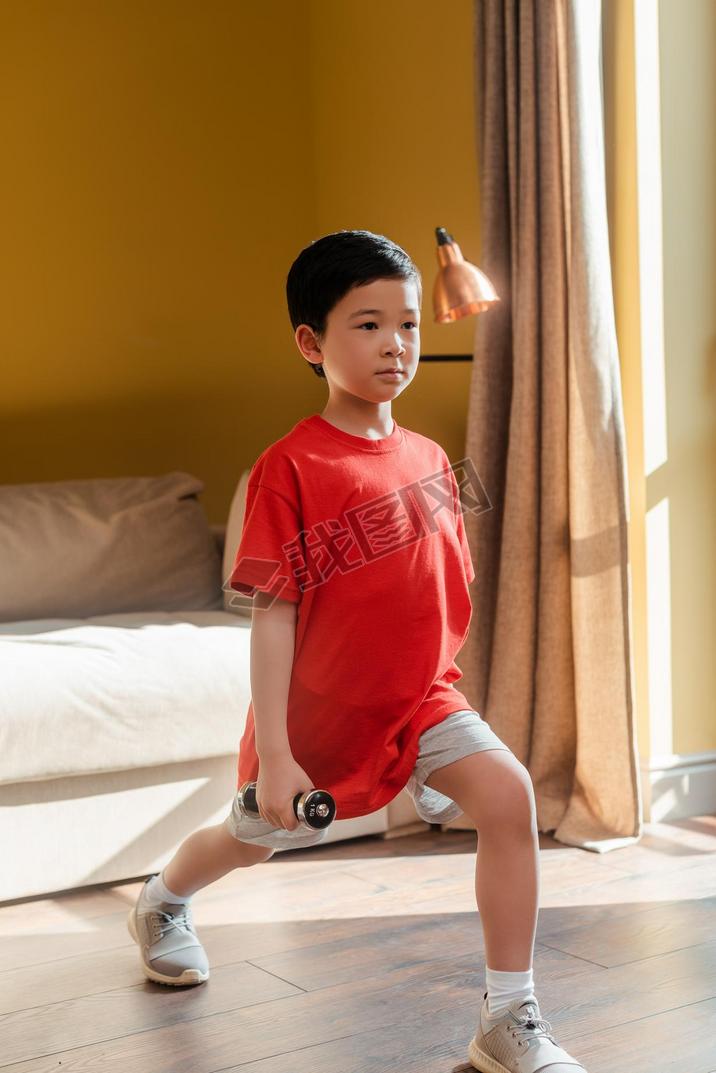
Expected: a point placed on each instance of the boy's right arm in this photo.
(273, 642)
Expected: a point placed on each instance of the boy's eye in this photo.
(372, 323)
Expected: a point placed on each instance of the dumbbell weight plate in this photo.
(313, 808)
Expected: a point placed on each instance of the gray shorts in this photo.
(458, 735)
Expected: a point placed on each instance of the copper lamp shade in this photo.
(460, 289)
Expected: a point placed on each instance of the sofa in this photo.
(124, 680)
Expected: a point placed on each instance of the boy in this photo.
(354, 551)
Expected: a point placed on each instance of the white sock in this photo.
(156, 891)
(504, 988)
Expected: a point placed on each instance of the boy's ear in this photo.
(307, 343)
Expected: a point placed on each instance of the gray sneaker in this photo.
(518, 1041)
(169, 947)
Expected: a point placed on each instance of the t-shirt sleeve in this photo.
(469, 568)
(269, 556)
(460, 524)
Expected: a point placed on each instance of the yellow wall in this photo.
(620, 166)
(163, 164)
(681, 487)
(687, 40)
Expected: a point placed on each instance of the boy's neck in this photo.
(374, 421)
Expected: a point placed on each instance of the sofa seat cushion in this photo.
(113, 692)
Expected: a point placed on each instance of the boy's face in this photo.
(359, 346)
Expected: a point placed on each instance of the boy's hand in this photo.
(280, 779)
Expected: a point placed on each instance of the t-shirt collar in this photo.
(360, 443)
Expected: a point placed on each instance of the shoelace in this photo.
(162, 921)
(530, 1028)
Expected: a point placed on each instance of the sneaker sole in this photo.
(484, 1062)
(189, 976)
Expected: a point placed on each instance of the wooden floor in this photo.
(367, 957)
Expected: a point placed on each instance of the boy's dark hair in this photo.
(327, 269)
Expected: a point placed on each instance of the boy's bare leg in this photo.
(507, 894)
(496, 792)
(206, 856)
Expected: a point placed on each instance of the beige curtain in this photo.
(548, 659)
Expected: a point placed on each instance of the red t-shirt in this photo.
(367, 536)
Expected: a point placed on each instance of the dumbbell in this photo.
(312, 808)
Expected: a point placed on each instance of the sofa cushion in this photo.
(235, 601)
(115, 692)
(72, 549)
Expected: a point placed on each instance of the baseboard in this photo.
(677, 786)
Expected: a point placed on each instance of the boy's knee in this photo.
(513, 805)
(520, 806)
(265, 855)
(245, 853)
(248, 853)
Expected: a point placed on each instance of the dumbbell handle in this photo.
(313, 808)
